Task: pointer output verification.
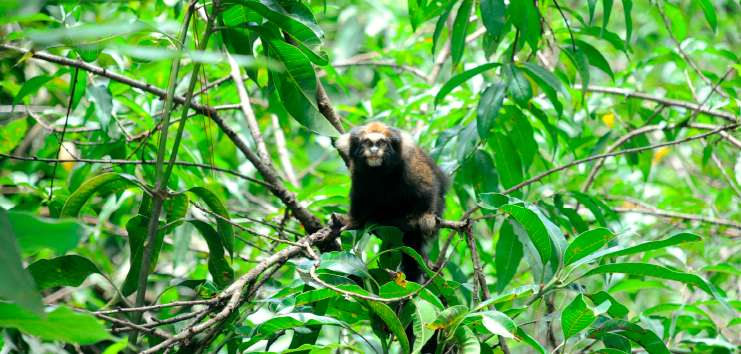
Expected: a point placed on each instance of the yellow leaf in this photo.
(67, 152)
(609, 119)
(400, 279)
(659, 154)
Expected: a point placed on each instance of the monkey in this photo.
(394, 182)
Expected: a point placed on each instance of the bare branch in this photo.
(283, 156)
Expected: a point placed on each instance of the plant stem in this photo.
(160, 185)
(189, 94)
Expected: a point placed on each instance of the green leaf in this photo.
(424, 312)
(36, 233)
(457, 80)
(104, 185)
(519, 86)
(218, 266)
(522, 135)
(307, 38)
(176, 207)
(647, 339)
(534, 227)
(606, 9)
(90, 51)
(16, 284)
(489, 106)
(11, 135)
(532, 342)
(60, 324)
(709, 11)
(494, 201)
(392, 322)
(633, 285)
(587, 243)
(415, 13)
(498, 323)
(297, 84)
(616, 310)
(508, 255)
(722, 268)
(101, 96)
(344, 263)
(33, 84)
(581, 62)
(507, 161)
(240, 40)
(533, 25)
(482, 175)
(392, 289)
(137, 228)
(592, 4)
(493, 15)
(460, 30)
(651, 270)
(290, 321)
(441, 24)
(677, 239)
(588, 202)
(678, 26)
(536, 71)
(596, 58)
(440, 285)
(577, 316)
(627, 7)
(225, 229)
(469, 342)
(449, 317)
(70, 270)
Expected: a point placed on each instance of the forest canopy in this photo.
(169, 181)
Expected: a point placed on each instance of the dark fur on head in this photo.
(392, 180)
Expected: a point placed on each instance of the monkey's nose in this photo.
(374, 150)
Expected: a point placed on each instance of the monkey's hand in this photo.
(348, 222)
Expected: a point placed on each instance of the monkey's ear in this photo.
(342, 144)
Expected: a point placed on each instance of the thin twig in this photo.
(256, 233)
(64, 130)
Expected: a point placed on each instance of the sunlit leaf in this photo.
(70, 270)
(60, 324)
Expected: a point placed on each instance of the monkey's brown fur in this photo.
(394, 182)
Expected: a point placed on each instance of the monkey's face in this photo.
(374, 146)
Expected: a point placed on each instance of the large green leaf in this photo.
(70, 270)
(305, 36)
(460, 30)
(297, 84)
(103, 99)
(218, 266)
(240, 40)
(581, 62)
(480, 172)
(547, 77)
(647, 339)
(587, 243)
(529, 340)
(508, 255)
(225, 229)
(137, 228)
(451, 316)
(469, 342)
(33, 84)
(534, 227)
(596, 58)
(578, 316)
(424, 312)
(344, 263)
(16, 284)
(489, 106)
(616, 310)
(709, 11)
(606, 10)
(651, 270)
(441, 23)
(80, 87)
(290, 321)
(11, 135)
(497, 323)
(519, 87)
(459, 79)
(36, 233)
(627, 8)
(104, 185)
(493, 15)
(392, 322)
(507, 161)
(612, 252)
(60, 324)
(522, 135)
(391, 290)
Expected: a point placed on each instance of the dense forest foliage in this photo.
(168, 181)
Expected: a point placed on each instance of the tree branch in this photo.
(722, 170)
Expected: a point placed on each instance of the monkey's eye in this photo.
(380, 143)
(367, 143)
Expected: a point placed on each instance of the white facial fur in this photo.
(374, 159)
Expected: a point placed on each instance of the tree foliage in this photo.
(168, 178)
